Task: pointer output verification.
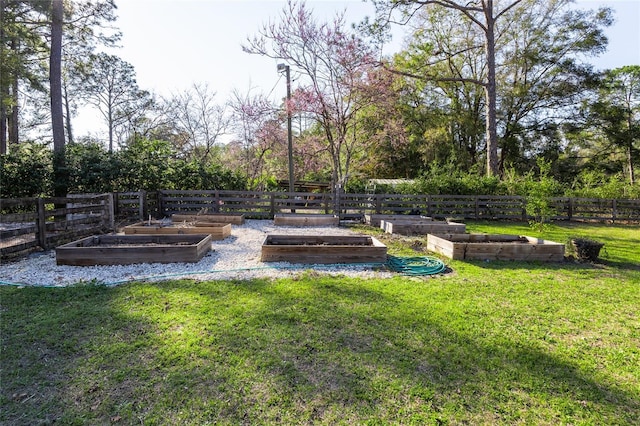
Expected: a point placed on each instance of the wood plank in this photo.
(376, 219)
(301, 219)
(235, 219)
(422, 227)
(495, 247)
(323, 249)
(131, 249)
(217, 231)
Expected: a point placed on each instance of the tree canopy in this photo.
(491, 87)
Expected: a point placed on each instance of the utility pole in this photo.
(287, 70)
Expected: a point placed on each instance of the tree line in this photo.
(493, 88)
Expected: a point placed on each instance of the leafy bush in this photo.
(596, 184)
(539, 194)
(193, 175)
(151, 165)
(146, 164)
(450, 180)
(91, 168)
(26, 171)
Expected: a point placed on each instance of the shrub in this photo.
(26, 171)
(91, 168)
(596, 184)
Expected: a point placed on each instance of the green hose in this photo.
(418, 265)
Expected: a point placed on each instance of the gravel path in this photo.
(236, 257)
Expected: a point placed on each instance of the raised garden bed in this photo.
(301, 219)
(422, 227)
(218, 231)
(234, 219)
(495, 247)
(130, 249)
(376, 219)
(323, 249)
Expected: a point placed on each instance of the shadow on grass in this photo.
(316, 350)
(357, 351)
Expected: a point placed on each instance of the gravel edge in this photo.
(235, 258)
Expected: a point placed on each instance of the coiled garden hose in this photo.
(416, 265)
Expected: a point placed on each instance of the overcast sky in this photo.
(175, 43)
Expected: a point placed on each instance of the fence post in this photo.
(161, 211)
(142, 203)
(524, 209)
(42, 226)
(570, 209)
(325, 201)
(614, 207)
(216, 201)
(272, 202)
(109, 220)
(477, 207)
(378, 203)
(116, 203)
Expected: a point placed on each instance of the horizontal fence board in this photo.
(68, 217)
(9, 233)
(18, 217)
(18, 248)
(354, 205)
(53, 220)
(71, 235)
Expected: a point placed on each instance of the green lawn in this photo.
(489, 343)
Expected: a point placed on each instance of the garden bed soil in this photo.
(131, 249)
(324, 249)
(495, 247)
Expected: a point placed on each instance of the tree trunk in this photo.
(67, 116)
(490, 90)
(110, 115)
(632, 178)
(13, 117)
(3, 120)
(55, 88)
(4, 90)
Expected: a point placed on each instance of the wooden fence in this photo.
(263, 205)
(29, 223)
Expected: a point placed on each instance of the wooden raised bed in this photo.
(376, 219)
(130, 249)
(422, 227)
(218, 231)
(323, 249)
(495, 247)
(301, 219)
(234, 219)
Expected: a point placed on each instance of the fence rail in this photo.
(29, 223)
(255, 204)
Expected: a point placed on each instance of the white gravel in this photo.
(235, 257)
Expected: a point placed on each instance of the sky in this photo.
(173, 44)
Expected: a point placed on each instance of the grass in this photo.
(489, 343)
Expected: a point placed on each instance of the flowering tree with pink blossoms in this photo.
(333, 64)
